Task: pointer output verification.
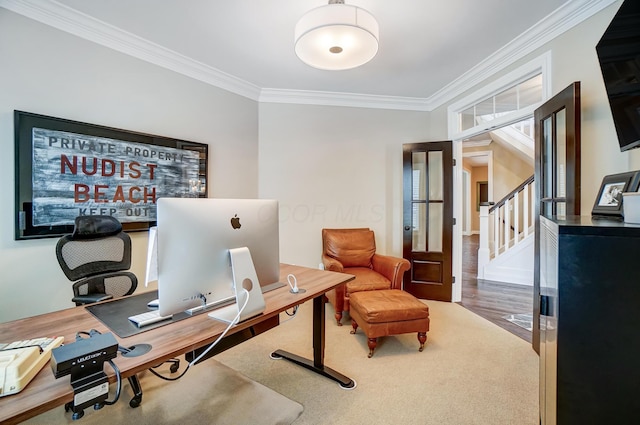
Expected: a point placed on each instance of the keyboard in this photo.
(20, 361)
(147, 318)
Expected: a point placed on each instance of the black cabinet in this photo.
(589, 321)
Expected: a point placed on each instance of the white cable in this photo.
(233, 323)
(293, 283)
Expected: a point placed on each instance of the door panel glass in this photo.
(419, 227)
(436, 178)
(419, 183)
(547, 160)
(547, 208)
(435, 227)
(561, 160)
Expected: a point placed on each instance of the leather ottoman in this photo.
(388, 312)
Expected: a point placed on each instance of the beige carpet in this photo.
(470, 372)
(210, 393)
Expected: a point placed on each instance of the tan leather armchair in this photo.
(353, 251)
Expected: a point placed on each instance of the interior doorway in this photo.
(499, 159)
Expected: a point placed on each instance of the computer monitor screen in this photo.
(194, 236)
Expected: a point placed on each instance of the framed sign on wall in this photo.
(67, 168)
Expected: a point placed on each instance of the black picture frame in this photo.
(121, 172)
(608, 202)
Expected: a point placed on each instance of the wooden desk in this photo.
(45, 392)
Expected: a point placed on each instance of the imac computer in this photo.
(194, 239)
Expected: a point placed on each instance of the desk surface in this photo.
(45, 392)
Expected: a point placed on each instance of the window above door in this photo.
(505, 101)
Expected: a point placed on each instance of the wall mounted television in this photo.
(619, 55)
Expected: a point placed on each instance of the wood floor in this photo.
(492, 300)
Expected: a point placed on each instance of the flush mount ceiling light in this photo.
(336, 36)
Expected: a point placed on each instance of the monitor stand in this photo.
(244, 277)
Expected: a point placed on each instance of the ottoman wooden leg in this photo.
(422, 337)
(371, 342)
(338, 317)
(354, 325)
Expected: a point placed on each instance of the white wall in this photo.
(335, 167)
(46, 71)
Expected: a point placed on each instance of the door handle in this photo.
(407, 228)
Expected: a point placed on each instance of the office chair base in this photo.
(137, 391)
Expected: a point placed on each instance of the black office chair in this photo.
(96, 257)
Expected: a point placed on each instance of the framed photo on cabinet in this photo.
(609, 199)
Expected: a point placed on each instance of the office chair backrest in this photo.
(99, 253)
(85, 257)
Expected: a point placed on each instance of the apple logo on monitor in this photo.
(235, 222)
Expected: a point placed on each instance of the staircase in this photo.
(506, 248)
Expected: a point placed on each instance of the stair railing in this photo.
(505, 224)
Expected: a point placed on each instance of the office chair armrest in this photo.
(90, 298)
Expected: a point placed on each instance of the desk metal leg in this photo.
(317, 365)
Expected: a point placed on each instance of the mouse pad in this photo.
(115, 314)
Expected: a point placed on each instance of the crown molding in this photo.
(64, 18)
(309, 97)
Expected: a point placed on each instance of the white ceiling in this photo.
(425, 45)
